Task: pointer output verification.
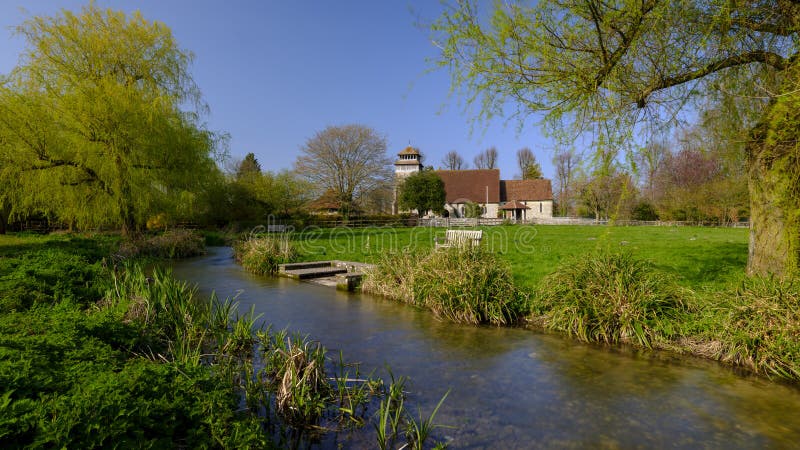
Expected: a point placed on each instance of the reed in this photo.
(295, 371)
(610, 298)
(465, 285)
(759, 327)
(262, 254)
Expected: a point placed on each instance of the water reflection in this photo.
(512, 388)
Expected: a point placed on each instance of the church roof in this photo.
(409, 151)
(536, 189)
(471, 185)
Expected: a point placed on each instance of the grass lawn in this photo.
(700, 258)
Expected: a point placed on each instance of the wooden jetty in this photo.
(343, 275)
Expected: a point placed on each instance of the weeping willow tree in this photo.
(614, 67)
(99, 122)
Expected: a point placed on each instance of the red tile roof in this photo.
(471, 185)
(513, 204)
(536, 189)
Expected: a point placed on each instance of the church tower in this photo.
(409, 161)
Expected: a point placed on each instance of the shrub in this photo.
(175, 243)
(467, 285)
(46, 276)
(611, 298)
(262, 254)
(644, 210)
(760, 328)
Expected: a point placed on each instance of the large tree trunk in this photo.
(774, 182)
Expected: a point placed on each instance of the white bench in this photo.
(460, 238)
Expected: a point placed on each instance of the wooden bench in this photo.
(460, 238)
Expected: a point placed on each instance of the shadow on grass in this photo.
(94, 248)
(718, 265)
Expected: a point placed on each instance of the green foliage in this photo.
(612, 298)
(644, 210)
(467, 285)
(249, 167)
(174, 243)
(472, 210)
(92, 117)
(47, 270)
(72, 378)
(262, 254)
(422, 191)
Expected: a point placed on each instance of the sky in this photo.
(275, 72)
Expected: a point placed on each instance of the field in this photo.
(700, 258)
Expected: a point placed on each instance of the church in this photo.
(521, 200)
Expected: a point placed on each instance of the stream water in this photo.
(514, 388)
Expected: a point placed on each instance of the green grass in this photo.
(699, 258)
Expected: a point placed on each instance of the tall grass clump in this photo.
(759, 327)
(262, 254)
(465, 285)
(610, 298)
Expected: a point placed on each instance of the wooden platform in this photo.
(344, 275)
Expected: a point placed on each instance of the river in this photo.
(514, 388)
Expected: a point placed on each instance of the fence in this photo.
(476, 222)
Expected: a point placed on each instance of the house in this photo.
(526, 199)
(510, 199)
(327, 204)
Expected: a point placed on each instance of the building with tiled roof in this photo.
(526, 199)
(512, 199)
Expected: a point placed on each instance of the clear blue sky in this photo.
(275, 72)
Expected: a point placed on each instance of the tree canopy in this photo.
(349, 160)
(453, 161)
(93, 120)
(486, 159)
(422, 191)
(528, 166)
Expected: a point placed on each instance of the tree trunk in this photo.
(126, 211)
(5, 212)
(774, 183)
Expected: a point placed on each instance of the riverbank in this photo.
(713, 310)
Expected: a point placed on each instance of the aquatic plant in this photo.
(466, 285)
(611, 298)
(261, 254)
(394, 418)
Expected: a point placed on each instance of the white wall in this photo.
(538, 209)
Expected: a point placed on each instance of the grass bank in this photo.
(698, 257)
